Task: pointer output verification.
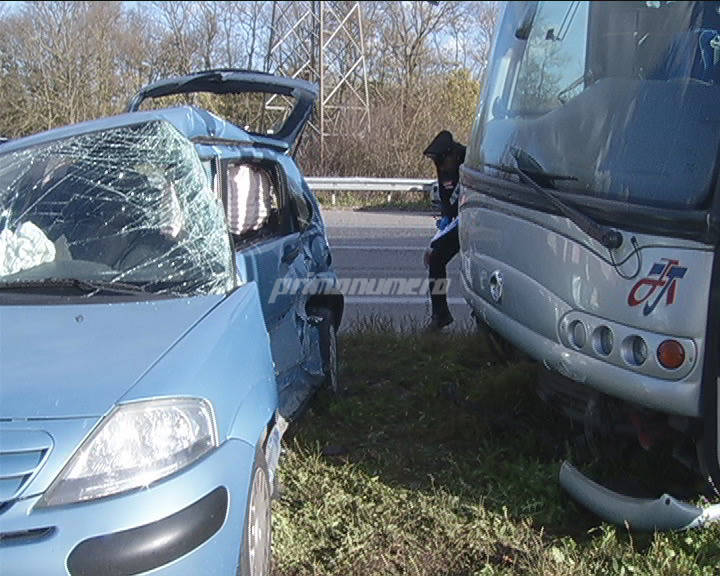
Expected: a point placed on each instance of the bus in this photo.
(589, 225)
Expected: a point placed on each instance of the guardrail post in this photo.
(333, 199)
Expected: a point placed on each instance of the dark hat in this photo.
(441, 145)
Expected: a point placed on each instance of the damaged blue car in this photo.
(156, 334)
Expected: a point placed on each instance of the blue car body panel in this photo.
(64, 367)
(225, 357)
(51, 357)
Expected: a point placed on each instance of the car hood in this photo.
(78, 360)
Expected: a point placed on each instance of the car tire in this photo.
(328, 348)
(255, 555)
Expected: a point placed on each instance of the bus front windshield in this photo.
(623, 98)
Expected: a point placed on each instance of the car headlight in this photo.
(136, 444)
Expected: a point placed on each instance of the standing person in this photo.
(448, 155)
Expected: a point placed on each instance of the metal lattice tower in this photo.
(322, 41)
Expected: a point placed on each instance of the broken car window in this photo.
(129, 204)
(251, 200)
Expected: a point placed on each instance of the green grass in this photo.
(440, 460)
(408, 201)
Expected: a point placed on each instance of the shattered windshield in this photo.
(129, 205)
(620, 97)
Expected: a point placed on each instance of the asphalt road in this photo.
(376, 248)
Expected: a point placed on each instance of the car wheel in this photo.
(256, 550)
(328, 348)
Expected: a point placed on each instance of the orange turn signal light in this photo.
(671, 354)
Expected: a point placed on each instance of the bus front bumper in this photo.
(640, 514)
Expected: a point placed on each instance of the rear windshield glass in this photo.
(622, 97)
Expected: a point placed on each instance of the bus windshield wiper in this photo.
(89, 287)
(532, 174)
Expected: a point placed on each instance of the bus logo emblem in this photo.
(660, 281)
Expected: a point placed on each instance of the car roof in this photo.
(194, 123)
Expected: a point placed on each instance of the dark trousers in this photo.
(443, 250)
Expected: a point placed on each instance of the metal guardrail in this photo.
(332, 183)
(360, 184)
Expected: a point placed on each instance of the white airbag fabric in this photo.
(26, 248)
(248, 202)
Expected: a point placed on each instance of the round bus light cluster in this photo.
(603, 340)
(634, 350)
(654, 355)
(577, 334)
(671, 354)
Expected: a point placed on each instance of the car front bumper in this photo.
(190, 523)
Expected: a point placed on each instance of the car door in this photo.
(270, 251)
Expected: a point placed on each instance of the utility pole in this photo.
(323, 42)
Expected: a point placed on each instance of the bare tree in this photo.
(179, 22)
(63, 62)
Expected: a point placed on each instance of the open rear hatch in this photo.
(292, 96)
